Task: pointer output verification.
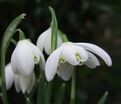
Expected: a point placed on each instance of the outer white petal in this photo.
(24, 58)
(42, 38)
(9, 76)
(33, 79)
(97, 50)
(16, 83)
(69, 54)
(92, 61)
(65, 71)
(52, 64)
(47, 45)
(39, 55)
(13, 63)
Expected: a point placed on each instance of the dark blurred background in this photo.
(94, 21)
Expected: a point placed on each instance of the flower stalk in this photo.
(73, 87)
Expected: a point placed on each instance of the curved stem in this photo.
(10, 31)
(73, 85)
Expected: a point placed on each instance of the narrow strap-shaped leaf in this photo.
(103, 98)
(4, 45)
(54, 27)
(54, 34)
(11, 30)
(60, 94)
(49, 92)
(41, 92)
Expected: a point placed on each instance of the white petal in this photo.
(92, 61)
(13, 63)
(47, 45)
(9, 76)
(69, 54)
(39, 55)
(16, 83)
(98, 51)
(42, 38)
(24, 58)
(52, 64)
(25, 82)
(65, 71)
(33, 79)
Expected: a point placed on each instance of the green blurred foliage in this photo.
(95, 21)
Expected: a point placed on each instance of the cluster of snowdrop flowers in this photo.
(21, 68)
(61, 61)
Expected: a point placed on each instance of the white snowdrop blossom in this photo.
(44, 40)
(24, 83)
(69, 54)
(24, 58)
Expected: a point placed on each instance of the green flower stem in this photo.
(49, 93)
(73, 85)
(10, 31)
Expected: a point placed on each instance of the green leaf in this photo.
(49, 92)
(103, 98)
(10, 31)
(41, 92)
(54, 27)
(60, 94)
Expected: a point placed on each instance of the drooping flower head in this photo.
(22, 83)
(44, 41)
(25, 56)
(62, 60)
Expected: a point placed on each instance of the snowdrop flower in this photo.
(62, 60)
(44, 41)
(24, 83)
(24, 58)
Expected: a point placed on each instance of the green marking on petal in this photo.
(78, 57)
(35, 59)
(62, 59)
